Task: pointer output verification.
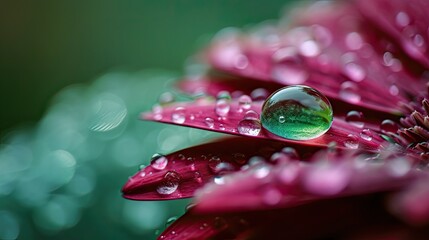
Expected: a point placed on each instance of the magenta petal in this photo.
(332, 49)
(198, 165)
(297, 183)
(357, 217)
(412, 204)
(202, 115)
(405, 21)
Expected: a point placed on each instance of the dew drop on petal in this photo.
(259, 94)
(355, 118)
(244, 102)
(349, 92)
(166, 98)
(222, 107)
(224, 167)
(158, 161)
(402, 19)
(307, 113)
(366, 134)
(169, 184)
(250, 127)
(178, 116)
(352, 141)
(209, 122)
(354, 71)
(223, 95)
(388, 126)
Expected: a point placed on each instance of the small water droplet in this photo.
(142, 166)
(388, 126)
(279, 157)
(197, 177)
(213, 162)
(349, 92)
(224, 167)
(220, 180)
(250, 127)
(309, 48)
(223, 95)
(239, 158)
(244, 102)
(221, 127)
(169, 184)
(256, 160)
(181, 157)
(290, 152)
(166, 98)
(282, 119)
(158, 161)
(366, 134)
(170, 221)
(209, 122)
(351, 142)
(157, 111)
(354, 71)
(355, 118)
(253, 115)
(402, 19)
(307, 112)
(259, 94)
(222, 107)
(179, 115)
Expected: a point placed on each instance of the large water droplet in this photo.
(158, 161)
(307, 113)
(222, 107)
(169, 184)
(355, 118)
(178, 116)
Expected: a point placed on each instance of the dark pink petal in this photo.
(333, 50)
(198, 165)
(357, 217)
(298, 183)
(405, 21)
(412, 204)
(202, 114)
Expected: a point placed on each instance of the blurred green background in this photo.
(61, 169)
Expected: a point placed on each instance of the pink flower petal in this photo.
(412, 204)
(202, 114)
(298, 183)
(193, 167)
(405, 21)
(333, 50)
(357, 217)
